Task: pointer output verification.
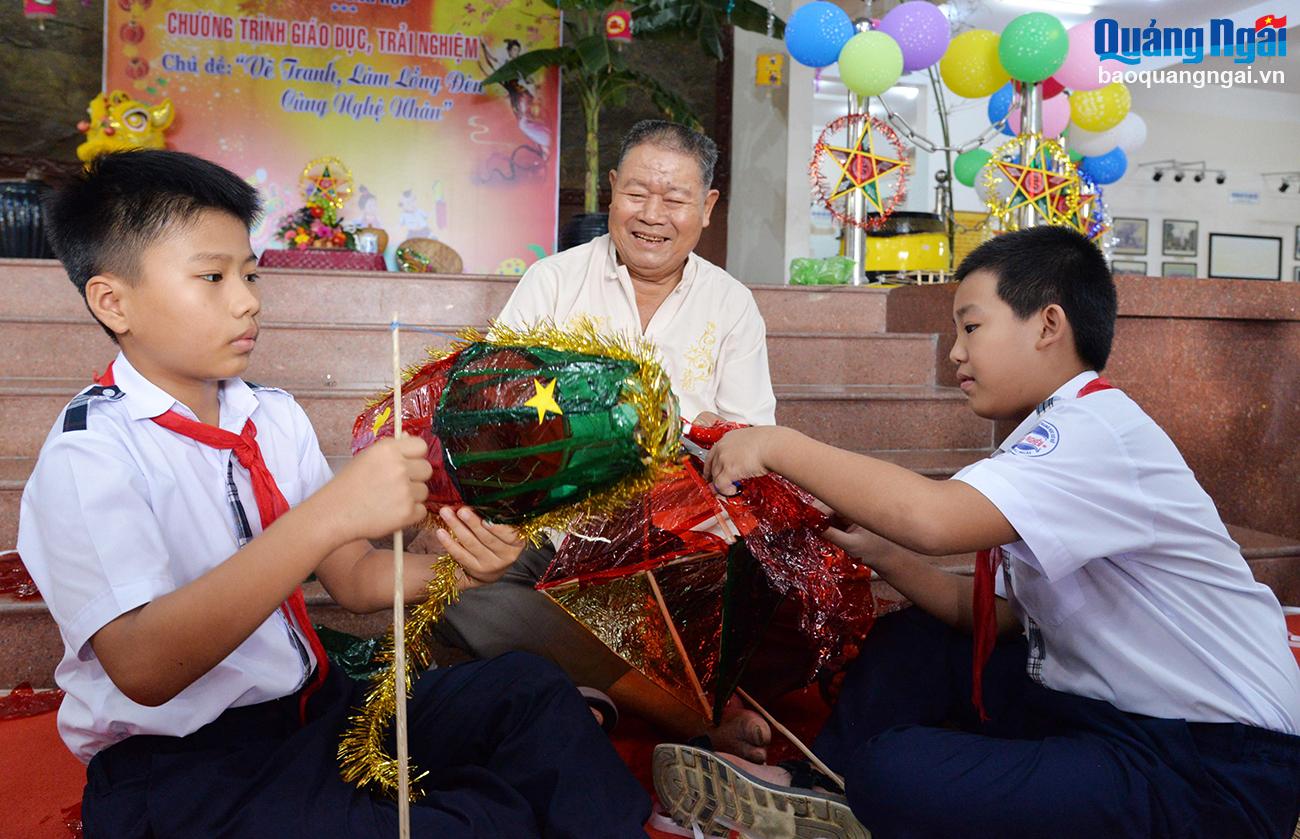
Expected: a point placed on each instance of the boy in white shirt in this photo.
(1152, 693)
(171, 516)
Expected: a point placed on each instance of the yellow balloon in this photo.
(971, 67)
(1101, 109)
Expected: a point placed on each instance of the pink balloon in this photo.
(1056, 115)
(1081, 66)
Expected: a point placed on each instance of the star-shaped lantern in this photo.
(874, 163)
(862, 168)
(1042, 177)
(326, 181)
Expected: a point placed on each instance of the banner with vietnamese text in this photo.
(389, 87)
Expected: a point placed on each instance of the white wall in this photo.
(1245, 132)
(756, 215)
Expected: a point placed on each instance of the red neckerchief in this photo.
(984, 609)
(271, 504)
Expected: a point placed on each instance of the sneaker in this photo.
(700, 790)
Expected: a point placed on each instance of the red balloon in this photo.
(1052, 87)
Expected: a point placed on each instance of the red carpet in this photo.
(41, 782)
(41, 787)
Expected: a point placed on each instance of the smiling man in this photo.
(642, 279)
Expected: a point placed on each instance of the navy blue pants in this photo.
(511, 750)
(918, 763)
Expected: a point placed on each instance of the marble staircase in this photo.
(841, 370)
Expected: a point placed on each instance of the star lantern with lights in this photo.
(1028, 171)
(326, 185)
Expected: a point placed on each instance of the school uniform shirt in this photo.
(709, 332)
(120, 511)
(1130, 589)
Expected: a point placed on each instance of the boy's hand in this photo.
(483, 551)
(740, 454)
(860, 543)
(381, 490)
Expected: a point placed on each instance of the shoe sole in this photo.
(698, 788)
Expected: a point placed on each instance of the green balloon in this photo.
(968, 164)
(1075, 157)
(1033, 47)
(870, 63)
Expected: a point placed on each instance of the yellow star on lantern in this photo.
(862, 168)
(544, 400)
(1034, 183)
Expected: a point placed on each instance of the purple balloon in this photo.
(921, 30)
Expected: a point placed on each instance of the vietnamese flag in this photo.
(1268, 21)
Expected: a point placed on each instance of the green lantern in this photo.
(534, 427)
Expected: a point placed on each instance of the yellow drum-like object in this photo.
(907, 252)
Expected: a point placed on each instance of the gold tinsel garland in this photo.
(363, 757)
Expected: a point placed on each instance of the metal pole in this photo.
(1031, 127)
(857, 244)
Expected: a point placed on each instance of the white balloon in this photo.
(1094, 143)
(1131, 133)
(1002, 188)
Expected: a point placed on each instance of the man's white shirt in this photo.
(1129, 586)
(709, 332)
(124, 512)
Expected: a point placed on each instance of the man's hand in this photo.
(706, 418)
(740, 454)
(483, 551)
(380, 491)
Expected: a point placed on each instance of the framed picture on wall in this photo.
(1130, 235)
(1238, 257)
(1179, 237)
(1121, 266)
(1178, 269)
(1297, 241)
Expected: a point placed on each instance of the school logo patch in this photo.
(1038, 442)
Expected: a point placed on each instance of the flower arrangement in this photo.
(317, 224)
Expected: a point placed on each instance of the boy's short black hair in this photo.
(124, 201)
(1044, 265)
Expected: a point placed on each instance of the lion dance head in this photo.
(118, 122)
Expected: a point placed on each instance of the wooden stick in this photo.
(399, 625)
(789, 735)
(677, 641)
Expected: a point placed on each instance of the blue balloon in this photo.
(1107, 168)
(999, 104)
(817, 32)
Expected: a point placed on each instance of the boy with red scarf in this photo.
(171, 517)
(1143, 688)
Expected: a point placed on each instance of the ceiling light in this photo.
(1284, 187)
(1178, 177)
(1198, 177)
(1220, 178)
(1158, 175)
